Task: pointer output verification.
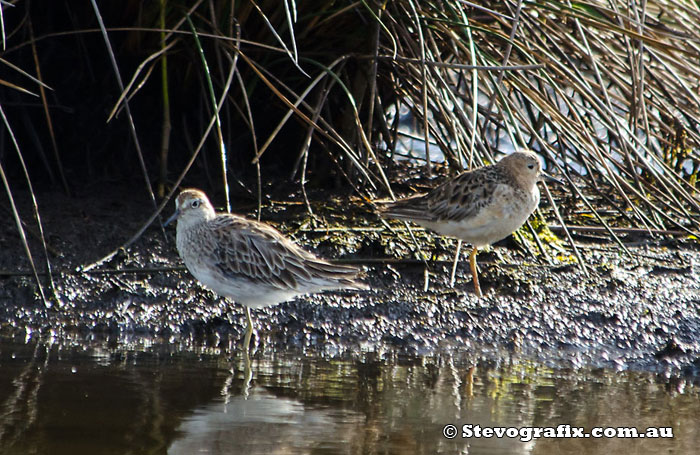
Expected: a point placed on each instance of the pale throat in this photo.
(188, 220)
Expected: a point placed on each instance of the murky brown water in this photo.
(89, 398)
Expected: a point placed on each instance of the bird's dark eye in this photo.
(531, 166)
(195, 204)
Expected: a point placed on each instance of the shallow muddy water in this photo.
(90, 397)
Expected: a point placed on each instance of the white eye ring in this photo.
(195, 204)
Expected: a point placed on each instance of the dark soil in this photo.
(639, 312)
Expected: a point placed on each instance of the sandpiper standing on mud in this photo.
(248, 261)
(481, 206)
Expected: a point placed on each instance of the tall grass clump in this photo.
(248, 92)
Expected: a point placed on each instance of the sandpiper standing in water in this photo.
(481, 206)
(248, 261)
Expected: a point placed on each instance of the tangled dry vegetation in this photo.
(606, 92)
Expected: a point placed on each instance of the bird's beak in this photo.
(549, 178)
(172, 218)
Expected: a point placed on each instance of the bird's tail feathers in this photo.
(411, 209)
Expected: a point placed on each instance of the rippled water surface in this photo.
(97, 398)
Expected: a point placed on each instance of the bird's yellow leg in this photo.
(475, 274)
(454, 264)
(249, 331)
(247, 370)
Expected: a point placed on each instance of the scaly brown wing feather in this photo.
(457, 199)
(258, 252)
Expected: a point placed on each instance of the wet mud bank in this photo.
(624, 312)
